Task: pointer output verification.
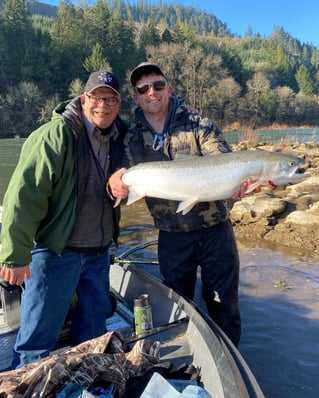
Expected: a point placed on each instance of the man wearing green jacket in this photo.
(58, 220)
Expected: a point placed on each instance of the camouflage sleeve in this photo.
(210, 137)
(127, 152)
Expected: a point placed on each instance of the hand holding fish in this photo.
(245, 187)
(115, 185)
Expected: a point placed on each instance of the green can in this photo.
(142, 314)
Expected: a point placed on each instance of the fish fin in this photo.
(134, 196)
(253, 186)
(186, 206)
(117, 202)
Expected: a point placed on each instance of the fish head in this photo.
(281, 168)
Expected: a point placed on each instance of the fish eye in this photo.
(292, 163)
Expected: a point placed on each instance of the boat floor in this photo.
(174, 339)
(174, 347)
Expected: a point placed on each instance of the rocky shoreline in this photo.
(286, 216)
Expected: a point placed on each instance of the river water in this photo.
(272, 136)
(279, 299)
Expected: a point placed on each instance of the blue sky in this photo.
(298, 18)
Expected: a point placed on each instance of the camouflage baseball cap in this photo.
(145, 68)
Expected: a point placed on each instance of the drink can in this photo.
(142, 314)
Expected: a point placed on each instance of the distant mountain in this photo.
(36, 7)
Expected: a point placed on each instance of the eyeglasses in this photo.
(159, 85)
(111, 101)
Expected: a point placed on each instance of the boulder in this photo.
(286, 215)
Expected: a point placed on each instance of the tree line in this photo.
(239, 82)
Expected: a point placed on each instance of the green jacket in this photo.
(184, 133)
(41, 199)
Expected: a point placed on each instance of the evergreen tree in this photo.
(167, 36)
(198, 52)
(67, 47)
(149, 34)
(304, 80)
(21, 105)
(232, 62)
(96, 61)
(97, 24)
(182, 32)
(76, 88)
(121, 50)
(16, 33)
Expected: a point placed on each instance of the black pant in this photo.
(214, 249)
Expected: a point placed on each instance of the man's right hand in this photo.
(116, 186)
(15, 276)
(244, 186)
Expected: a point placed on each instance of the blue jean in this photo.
(47, 296)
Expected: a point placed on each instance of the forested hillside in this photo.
(46, 54)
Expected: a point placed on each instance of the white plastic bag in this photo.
(158, 387)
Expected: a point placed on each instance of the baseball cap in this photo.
(145, 68)
(102, 79)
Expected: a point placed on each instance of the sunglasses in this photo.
(157, 86)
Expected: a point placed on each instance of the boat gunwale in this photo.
(246, 384)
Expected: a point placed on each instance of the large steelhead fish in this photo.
(193, 179)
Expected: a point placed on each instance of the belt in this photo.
(91, 251)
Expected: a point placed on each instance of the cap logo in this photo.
(106, 77)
